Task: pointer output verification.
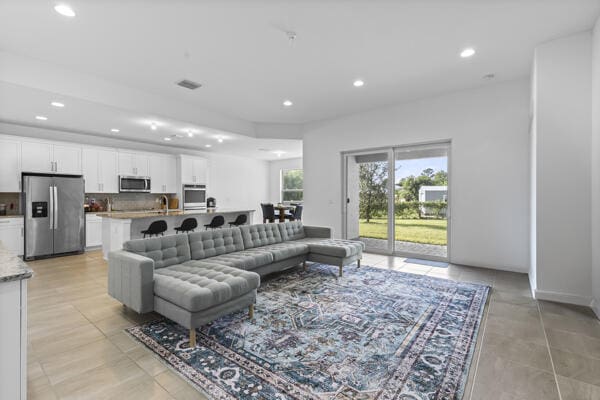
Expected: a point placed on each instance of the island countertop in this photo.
(171, 213)
(12, 268)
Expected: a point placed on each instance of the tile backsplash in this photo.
(127, 201)
(12, 202)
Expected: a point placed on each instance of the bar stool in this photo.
(239, 220)
(216, 222)
(188, 224)
(156, 228)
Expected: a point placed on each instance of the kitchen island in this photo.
(14, 274)
(119, 227)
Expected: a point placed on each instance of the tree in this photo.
(410, 185)
(373, 178)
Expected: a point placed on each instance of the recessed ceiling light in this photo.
(220, 139)
(288, 103)
(279, 152)
(358, 83)
(65, 10)
(41, 117)
(168, 139)
(115, 130)
(468, 52)
(57, 104)
(190, 132)
(153, 127)
(208, 145)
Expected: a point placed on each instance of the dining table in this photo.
(282, 208)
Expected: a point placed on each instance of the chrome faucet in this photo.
(164, 196)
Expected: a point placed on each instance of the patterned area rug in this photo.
(373, 334)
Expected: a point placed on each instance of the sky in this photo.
(414, 167)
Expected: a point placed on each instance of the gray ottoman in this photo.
(199, 292)
(336, 252)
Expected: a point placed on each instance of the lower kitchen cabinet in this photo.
(93, 231)
(11, 234)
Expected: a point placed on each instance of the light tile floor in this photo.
(526, 349)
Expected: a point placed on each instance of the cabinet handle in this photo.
(52, 166)
(22, 232)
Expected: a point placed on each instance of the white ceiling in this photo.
(239, 51)
(21, 105)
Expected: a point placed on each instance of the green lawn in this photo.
(430, 231)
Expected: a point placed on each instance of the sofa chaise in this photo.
(198, 277)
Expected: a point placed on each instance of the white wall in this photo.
(238, 182)
(489, 167)
(275, 168)
(563, 169)
(596, 167)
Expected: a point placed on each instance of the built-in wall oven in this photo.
(194, 197)
(134, 184)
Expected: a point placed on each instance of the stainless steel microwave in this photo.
(134, 184)
(194, 197)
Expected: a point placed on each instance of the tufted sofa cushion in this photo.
(214, 243)
(246, 259)
(165, 250)
(197, 288)
(285, 250)
(336, 247)
(292, 230)
(260, 235)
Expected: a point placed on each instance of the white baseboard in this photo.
(596, 307)
(563, 298)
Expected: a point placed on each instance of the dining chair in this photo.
(268, 211)
(296, 215)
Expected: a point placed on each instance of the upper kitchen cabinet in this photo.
(100, 170)
(67, 159)
(10, 166)
(163, 174)
(37, 157)
(133, 164)
(193, 169)
(50, 158)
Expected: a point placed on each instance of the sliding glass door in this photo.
(397, 200)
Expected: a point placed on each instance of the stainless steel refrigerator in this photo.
(54, 216)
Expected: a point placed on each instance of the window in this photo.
(291, 184)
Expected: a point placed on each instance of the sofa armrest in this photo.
(317, 232)
(131, 280)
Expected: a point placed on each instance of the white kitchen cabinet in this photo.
(11, 234)
(10, 166)
(67, 159)
(93, 231)
(134, 164)
(107, 168)
(100, 170)
(193, 169)
(50, 158)
(36, 157)
(163, 173)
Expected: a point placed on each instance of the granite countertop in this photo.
(161, 213)
(12, 268)
(11, 216)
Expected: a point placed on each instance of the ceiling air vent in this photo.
(189, 84)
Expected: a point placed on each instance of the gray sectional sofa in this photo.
(195, 278)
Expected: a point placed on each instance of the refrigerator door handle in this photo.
(51, 208)
(55, 207)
